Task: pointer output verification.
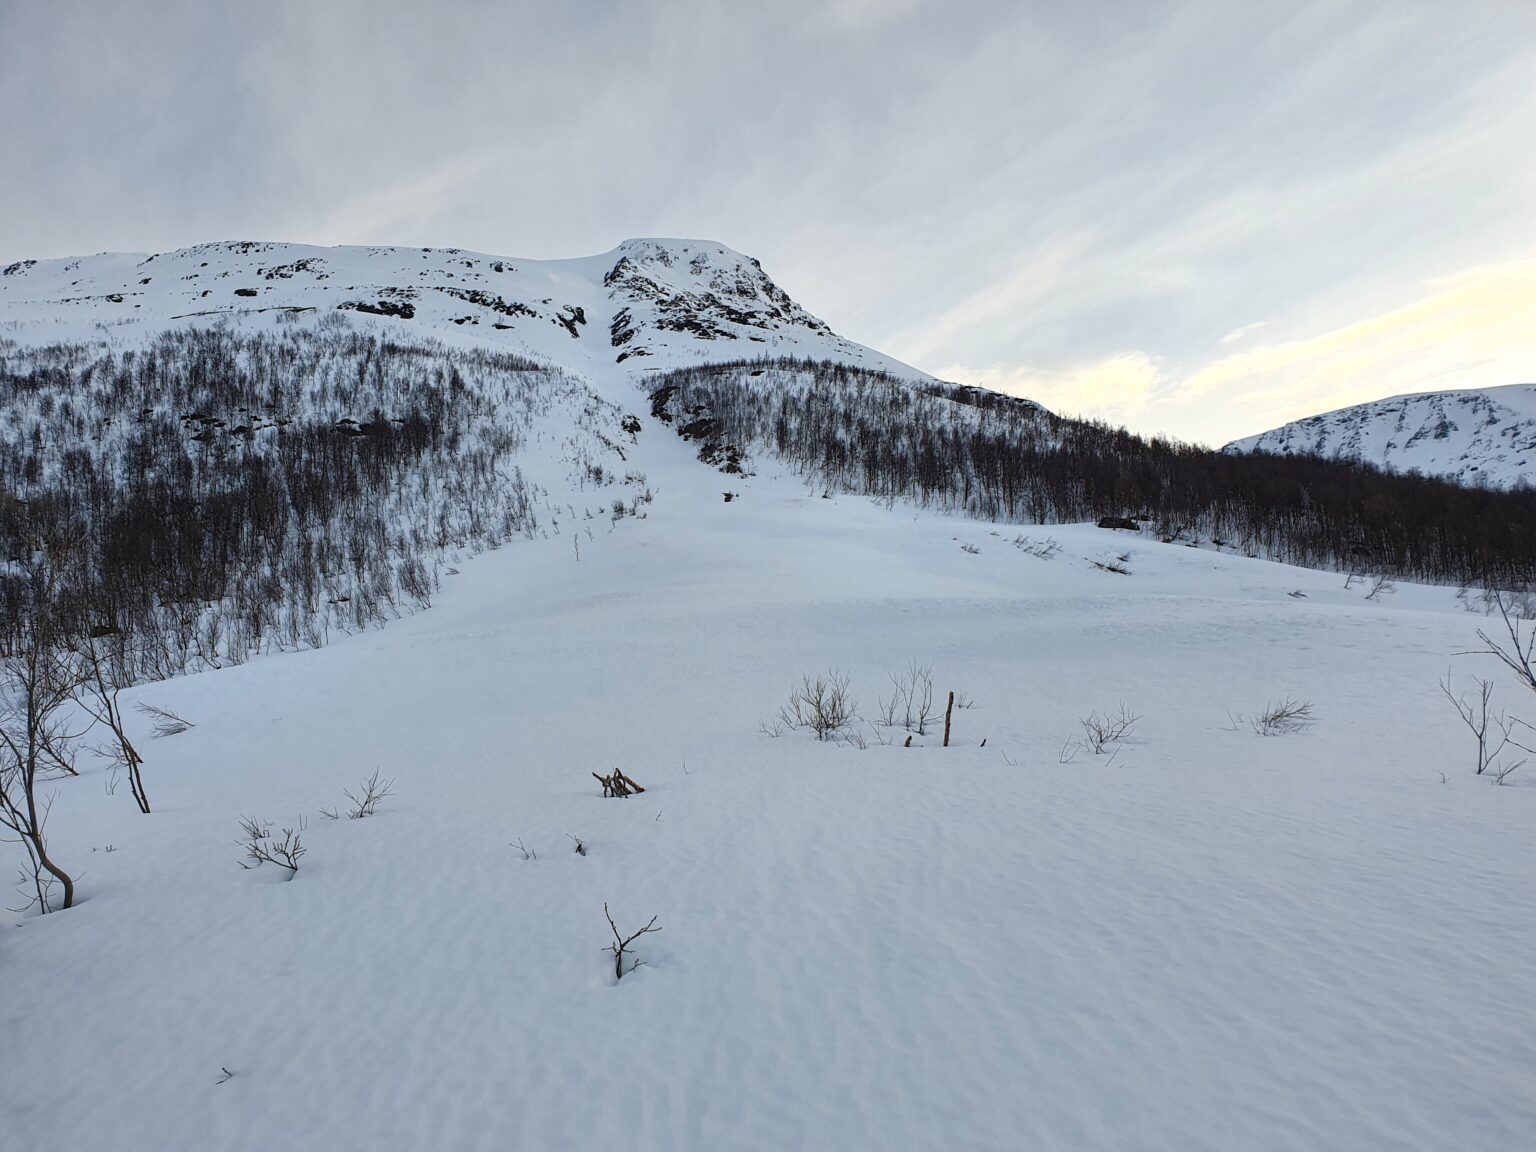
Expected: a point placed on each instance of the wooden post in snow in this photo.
(948, 708)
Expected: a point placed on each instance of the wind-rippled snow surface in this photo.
(1215, 941)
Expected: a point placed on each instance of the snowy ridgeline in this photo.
(220, 493)
(1479, 437)
(649, 302)
(1004, 459)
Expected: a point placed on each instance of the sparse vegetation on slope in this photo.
(222, 493)
(1000, 458)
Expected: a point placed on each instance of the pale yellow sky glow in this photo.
(1473, 329)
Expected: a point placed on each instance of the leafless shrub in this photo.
(365, 801)
(166, 722)
(1516, 649)
(98, 697)
(1117, 566)
(1283, 717)
(620, 945)
(528, 853)
(823, 705)
(1100, 731)
(1043, 549)
(617, 784)
(772, 729)
(971, 548)
(1502, 772)
(1492, 731)
(261, 847)
(911, 702)
(1520, 604)
(1380, 586)
(581, 846)
(38, 678)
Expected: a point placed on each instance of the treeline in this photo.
(220, 493)
(1000, 458)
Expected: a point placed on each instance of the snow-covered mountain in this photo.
(987, 927)
(1479, 436)
(657, 303)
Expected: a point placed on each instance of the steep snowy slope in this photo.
(661, 303)
(369, 412)
(1483, 436)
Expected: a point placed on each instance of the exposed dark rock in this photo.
(404, 310)
(486, 300)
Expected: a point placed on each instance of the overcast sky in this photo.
(1196, 218)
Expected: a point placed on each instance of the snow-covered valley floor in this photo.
(1320, 940)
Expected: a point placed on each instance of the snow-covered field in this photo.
(1216, 940)
(1208, 940)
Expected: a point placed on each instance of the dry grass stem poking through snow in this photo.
(1283, 717)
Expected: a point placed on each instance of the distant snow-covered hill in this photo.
(1486, 435)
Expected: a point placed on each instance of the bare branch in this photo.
(166, 722)
(1517, 650)
(1102, 731)
(261, 847)
(1490, 730)
(365, 801)
(1283, 717)
(617, 784)
(621, 943)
